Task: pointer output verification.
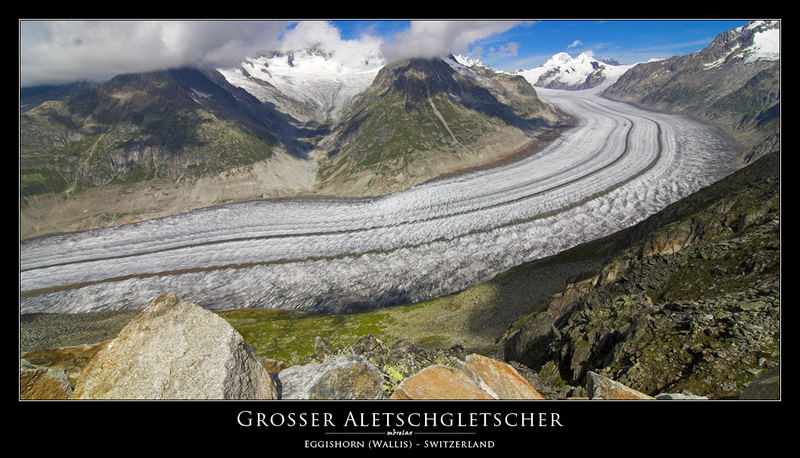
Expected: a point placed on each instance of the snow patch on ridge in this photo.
(766, 46)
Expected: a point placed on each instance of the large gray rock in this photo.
(176, 350)
(340, 377)
(766, 386)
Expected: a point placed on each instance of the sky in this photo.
(55, 52)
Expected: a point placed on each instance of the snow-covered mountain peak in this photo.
(468, 61)
(563, 71)
(766, 41)
(560, 58)
(310, 84)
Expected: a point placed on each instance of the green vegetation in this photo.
(418, 108)
(475, 318)
(39, 181)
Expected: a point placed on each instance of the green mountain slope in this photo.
(420, 117)
(137, 127)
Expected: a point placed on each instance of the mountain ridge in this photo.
(734, 83)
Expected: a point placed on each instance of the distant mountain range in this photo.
(361, 126)
(188, 123)
(309, 84)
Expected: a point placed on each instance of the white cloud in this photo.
(438, 38)
(508, 49)
(63, 51)
(326, 36)
(575, 44)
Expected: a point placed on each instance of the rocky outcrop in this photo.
(71, 359)
(370, 369)
(340, 377)
(500, 379)
(36, 382)
(396, 362)
(688, 301)
(175, 350)
(479, 377)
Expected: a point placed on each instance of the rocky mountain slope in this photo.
(688, 300)
(424, 117)
(563, 71)
(734, 83)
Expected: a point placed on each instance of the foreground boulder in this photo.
(340, 377)
(500, 379)
(479, 377)
(766, 386)
(175, 350)
(397, 361)
(440, 382)
(36, 382)
(601, 387)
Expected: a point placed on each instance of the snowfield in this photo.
(619, 165)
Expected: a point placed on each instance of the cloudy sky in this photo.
(64, 51)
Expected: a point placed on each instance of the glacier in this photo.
(616, 167)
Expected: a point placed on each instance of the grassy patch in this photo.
(38, 181)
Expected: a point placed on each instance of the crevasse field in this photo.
(618, 165)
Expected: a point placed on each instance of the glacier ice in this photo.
(617, 166)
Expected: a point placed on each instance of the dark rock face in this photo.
(689, 303)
